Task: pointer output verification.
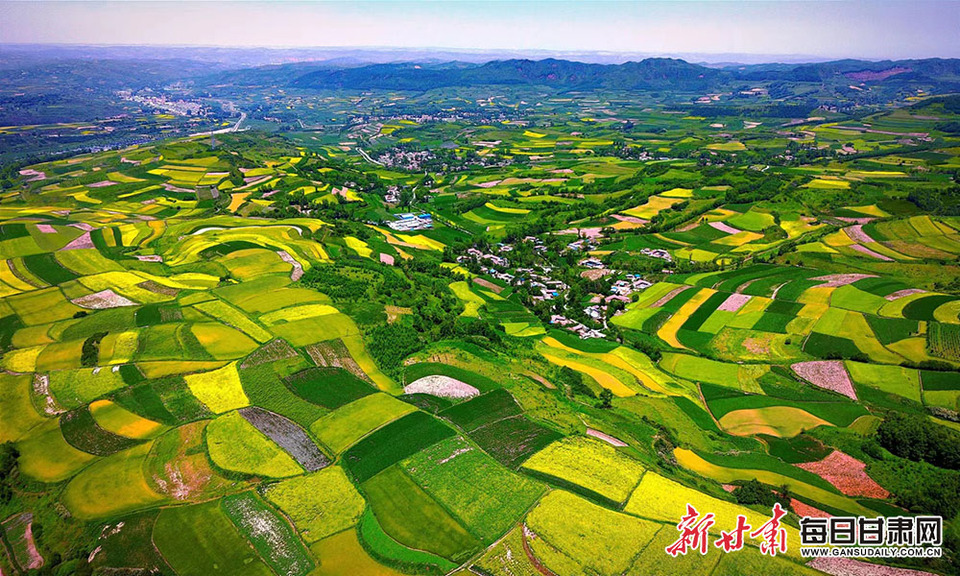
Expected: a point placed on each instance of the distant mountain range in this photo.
(213, 68)
(648, 74)
(232, 57)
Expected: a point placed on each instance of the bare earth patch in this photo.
(857, 234)
(757, 346)
(20, 527)
(46, 229)
(827, 374)
(188, 472)
(288, 435)
(277, 349)
(734, 302)
(868, 252)
(488, 284)
(595, 232)
(850, 567)
(837, 280)
(387, 259)
(102, 300)
(80, 242)
(669, 296)
(41, 388)
(172, 188)
(297, 271)
(442, 386)
(807, 510)
(546, 383)
(150, 258)
(102, 184)
(850, 220)
(724, 227)
(158, 288)
(334, 353)
(903, 293)
(613, 441)
(34, 175)
(846, 473)
(595, 274)
(630, 219)
(394, 312)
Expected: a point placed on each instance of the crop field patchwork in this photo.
(506, 319)
(588, 464)
(236, 445)
(269, 533)
(319, 504)
(392, 443)
(486, 497)
(200, 539)
(413, 518)
(346, 425)
(600, 540)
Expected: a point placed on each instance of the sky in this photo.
(874, 29)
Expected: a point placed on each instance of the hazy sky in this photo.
(871, 28)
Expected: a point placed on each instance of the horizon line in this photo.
(798, 57)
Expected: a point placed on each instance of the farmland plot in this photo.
(288, 436)
(271, 536)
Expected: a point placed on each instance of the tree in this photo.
(753, 492)
(916, 438)
(606, 398)
(573, 380)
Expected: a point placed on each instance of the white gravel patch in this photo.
(442, 386)
(613, 441)
(837, 280)
(33, 175)
(827, 374)
(857, 234)
(724, 227)
(903, 294)
(734, 302)
(102, 300)
(80, 242)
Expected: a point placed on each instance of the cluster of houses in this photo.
(487, 262)
(409, 222)
(620, 290)
(538, 245)
(392, 196)
(657, 253)
(496, 266)
(582, 245)
(178, 107)
(405, 159)
(577, 328)
(632, 283)
(547, 288)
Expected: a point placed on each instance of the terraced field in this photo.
(283, 378)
